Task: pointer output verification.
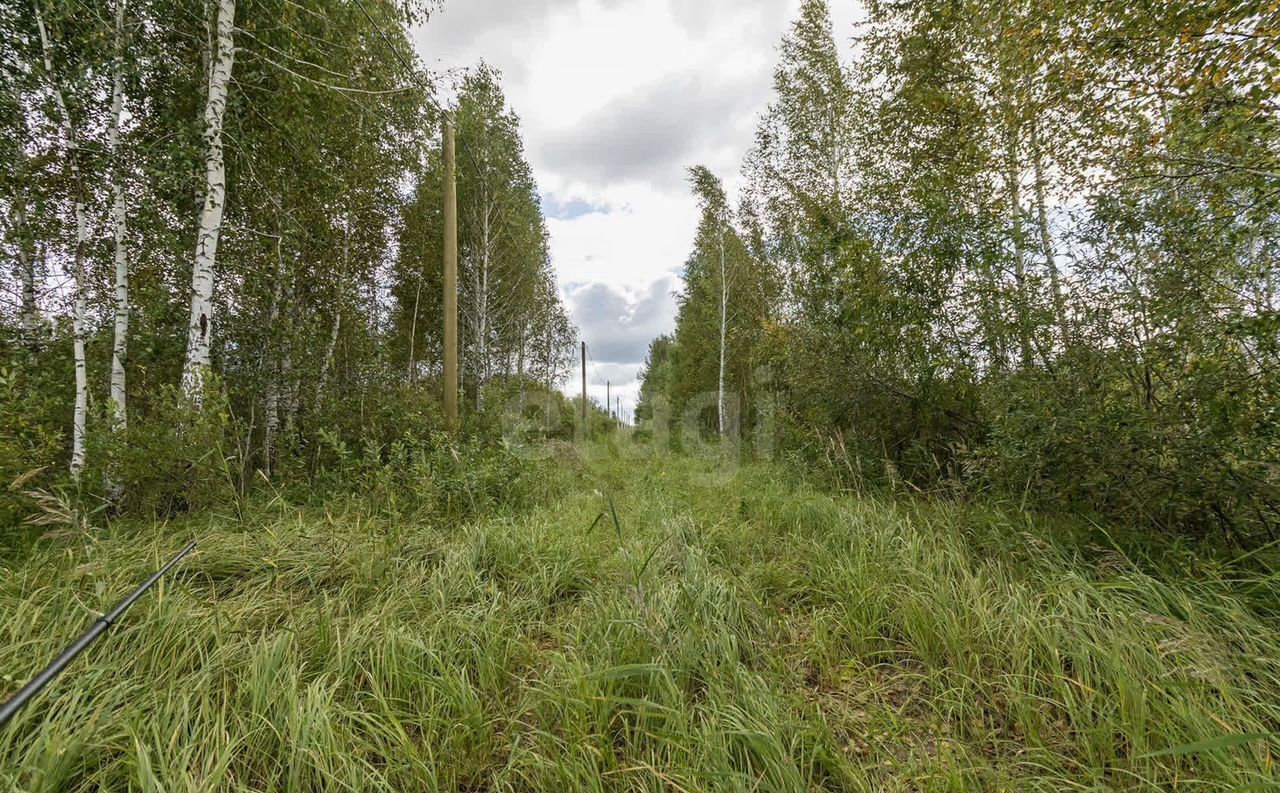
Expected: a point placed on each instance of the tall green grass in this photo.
(732, 632)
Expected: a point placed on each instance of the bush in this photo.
(171, 459)
(440, 476)
(30, 447)
(1194, 461)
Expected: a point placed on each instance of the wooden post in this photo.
(450, 279)
(584, 387)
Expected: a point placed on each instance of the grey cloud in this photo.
(617, 328)
(469, 19)
(496, 30)
(699, 16)
(653, 134)
(464, 31)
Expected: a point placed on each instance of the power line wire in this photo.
(425, 85)
(591, 359)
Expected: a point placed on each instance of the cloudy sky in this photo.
(617, 98)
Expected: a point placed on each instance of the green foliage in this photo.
(521, 410)
(511, 319)
(655, 383)
(29, 446)
(325, 127)
(172, 460)
(381, 416)
(433, 477)
(995, 276)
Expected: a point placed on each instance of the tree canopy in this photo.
(1022, 248)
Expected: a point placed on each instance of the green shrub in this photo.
(31, 453)
(169, 460)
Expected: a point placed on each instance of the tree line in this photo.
(221, 219)
(1026, 249)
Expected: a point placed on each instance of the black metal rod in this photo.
(18, 700)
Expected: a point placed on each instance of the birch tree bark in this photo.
(724, 326)
(413, 334)
(289, 383)
(1046, 240)
(271, 399)
(336, 328)
(202, 272)
(1013, 179)
(119, 230)
(482, 297)
(550, 364)
(282, 387)
(29, 311)
(79, 310)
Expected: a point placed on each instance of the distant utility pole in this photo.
(584, 386)
(450, 279)
(617, 413)
(608, 399)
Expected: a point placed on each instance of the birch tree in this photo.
(71, 142)
(723, 309)
(800, 165)
(715, 213)
(203, 271)
(266, 364)
(502, 235)
(25, 271)
(119, 229)
(1047, 248)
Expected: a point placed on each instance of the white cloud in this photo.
(616, 99)
(644, 237)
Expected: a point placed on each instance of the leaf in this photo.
(1210, 744)
(613, 513)
(627, 671)
(649, 559)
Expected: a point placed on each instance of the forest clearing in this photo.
(736, 630)
(638, 395)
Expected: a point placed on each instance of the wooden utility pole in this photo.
(608, 398)
(450, 279)
(584, 386)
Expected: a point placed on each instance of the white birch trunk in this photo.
(413, 334)
(1046, 240)
(289, 384)
(329, 351)
(482, 319)
(475, 327)
(119, 230)
(1014, 187)
(550, 365)
(270, 422)
(202, 272)
(292, 386)
(271, 399)
(29, 316)
(724, 330)
(80, 309)
(337, 313)
(78, 330)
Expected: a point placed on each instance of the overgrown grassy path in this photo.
(733, 630)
